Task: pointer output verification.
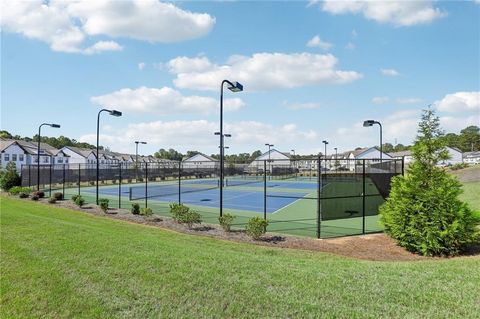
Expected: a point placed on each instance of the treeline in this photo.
(174, 155)
(57, 142)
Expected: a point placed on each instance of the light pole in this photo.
(269, 160)
(136, 158)
(336, 159)
(369, 123)
(325, 142)
(234, 87)
(38, 149)
(113, 113)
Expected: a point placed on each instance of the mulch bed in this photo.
(378, 247)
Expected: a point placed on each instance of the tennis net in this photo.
(170, 189)
(244, 180)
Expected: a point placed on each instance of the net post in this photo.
(179, 182)
(120, 185)
(146, 184)
(265, 191)
(79, 178)
(50, 180)
(63, 180)
(363, 198)
(319, 203)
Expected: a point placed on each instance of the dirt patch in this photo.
(378, 247)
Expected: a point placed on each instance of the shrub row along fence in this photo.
(313, 197)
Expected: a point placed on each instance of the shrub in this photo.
(256, 227)
(40, 194)
(10, 178)
(459, 166)
(58, 196)
(135, 209)
(34, 197)
(15, 190)
(178, 211)
(74, 197)
(52, 200)
(103, 202)
(23, 195)
(226, 221)
(146, 211)
(423, 212)
(91, 183)
(79, 201)
(190, 218)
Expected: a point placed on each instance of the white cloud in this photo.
(198, 135)
(459, 102)
(316, 42)
(398, 13)
(141, 65)
(380, 100)
(262, 71)
(350, 46)
(162, 101)
(302, 106)
(389, 72)
(66, 25)
(409, 100)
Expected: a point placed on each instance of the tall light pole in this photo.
(336, 159)
(269, 160)
(113, 113)
(136, 158)
(369, 123)
(38, 149)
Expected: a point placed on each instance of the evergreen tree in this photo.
(10, 178)
(423, 212)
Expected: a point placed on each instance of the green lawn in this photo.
(471, 194)
(61, 263)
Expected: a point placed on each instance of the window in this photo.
(20, 158)
(6, 157)
(45, 159)
(66, 160)
(14, 157)
(60, 160)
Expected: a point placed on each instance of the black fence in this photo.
(313, 197)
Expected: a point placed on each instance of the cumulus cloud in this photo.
(261, 71)
(198, 134)
(66, 25)
(459, 102)
(389, 72)
(302, 106)
(162, 101)
(316, 42)
(409, 100)
(141, 65)
(380, 100)
(398, 13)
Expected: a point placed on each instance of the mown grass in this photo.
(60, 263)
(471, 194)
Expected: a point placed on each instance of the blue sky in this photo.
(311, 71)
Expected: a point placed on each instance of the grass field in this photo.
(471, 194)
(60, 263)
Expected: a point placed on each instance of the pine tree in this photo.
(423, 212)
(10, 177)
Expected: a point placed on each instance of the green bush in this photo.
(226, 221)
(52, 200)
(135, 209)
(459, 166)
(10, 178)
(35, 197)
(190, 218)
(79, 201)
(103, 203)
(146, 211)
(74, 197)
(40, 194)
(256, 227)
(58, 196)
(23, 195)
(178, 211)
(423, 212)
(15, 190)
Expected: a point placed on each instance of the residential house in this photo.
(471, 158)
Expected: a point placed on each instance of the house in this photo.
(472, 158)
(200, 160)
(406, 155)
(80, 155)
(272, 159)
(455, 156)
(367, 153)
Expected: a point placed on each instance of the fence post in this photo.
(363, 198)
(120, 185)
(179, 182)
(265, 191)
(63, 180)
(79, 178)
(319, 192)
(403, 165)
(50, 181)
(29, 177)
(146, 184)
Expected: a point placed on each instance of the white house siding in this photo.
(455, 157)
(16, 154)
(276, 159)
(200, 161)
(471, 158)
(74, 157)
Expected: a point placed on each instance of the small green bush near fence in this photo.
(103, 203)
(58, 196)
(184, 215)
(177, 211)
(15, 190)
(146, 211)
(226, 221)
(79, 201)
(256, 227)
(135, 210)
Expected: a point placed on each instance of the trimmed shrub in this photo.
(146, 211)
(256, 227)
(459, 166)
(103, 203)
(34, 197)
(190, 218)
(423, 212)
(79, 201)
(91, 183)
(58, 196)
(74, 197)
(23, 195)
(15, 190)
(226, 221)
(40, 194)
(52, 200)
(10, 178)
(178, 211)
(135, 209)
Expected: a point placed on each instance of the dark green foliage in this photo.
(135, 210)
(40, 194)
(226, 221)
(256, 227)
(35, 197)
(23, 195)
(74, 197)
(52, 200)
(146, 211)
(177, 211)
(458, 166)
(79, 201)
(18, 189)
(58, 196)
(423, 212)
(190, 218)
(103, 203)
(10, 178)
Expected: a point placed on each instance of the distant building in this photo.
(273, 159)
(472, 158)
(200, 160)
(406, 155)
(455, 156)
